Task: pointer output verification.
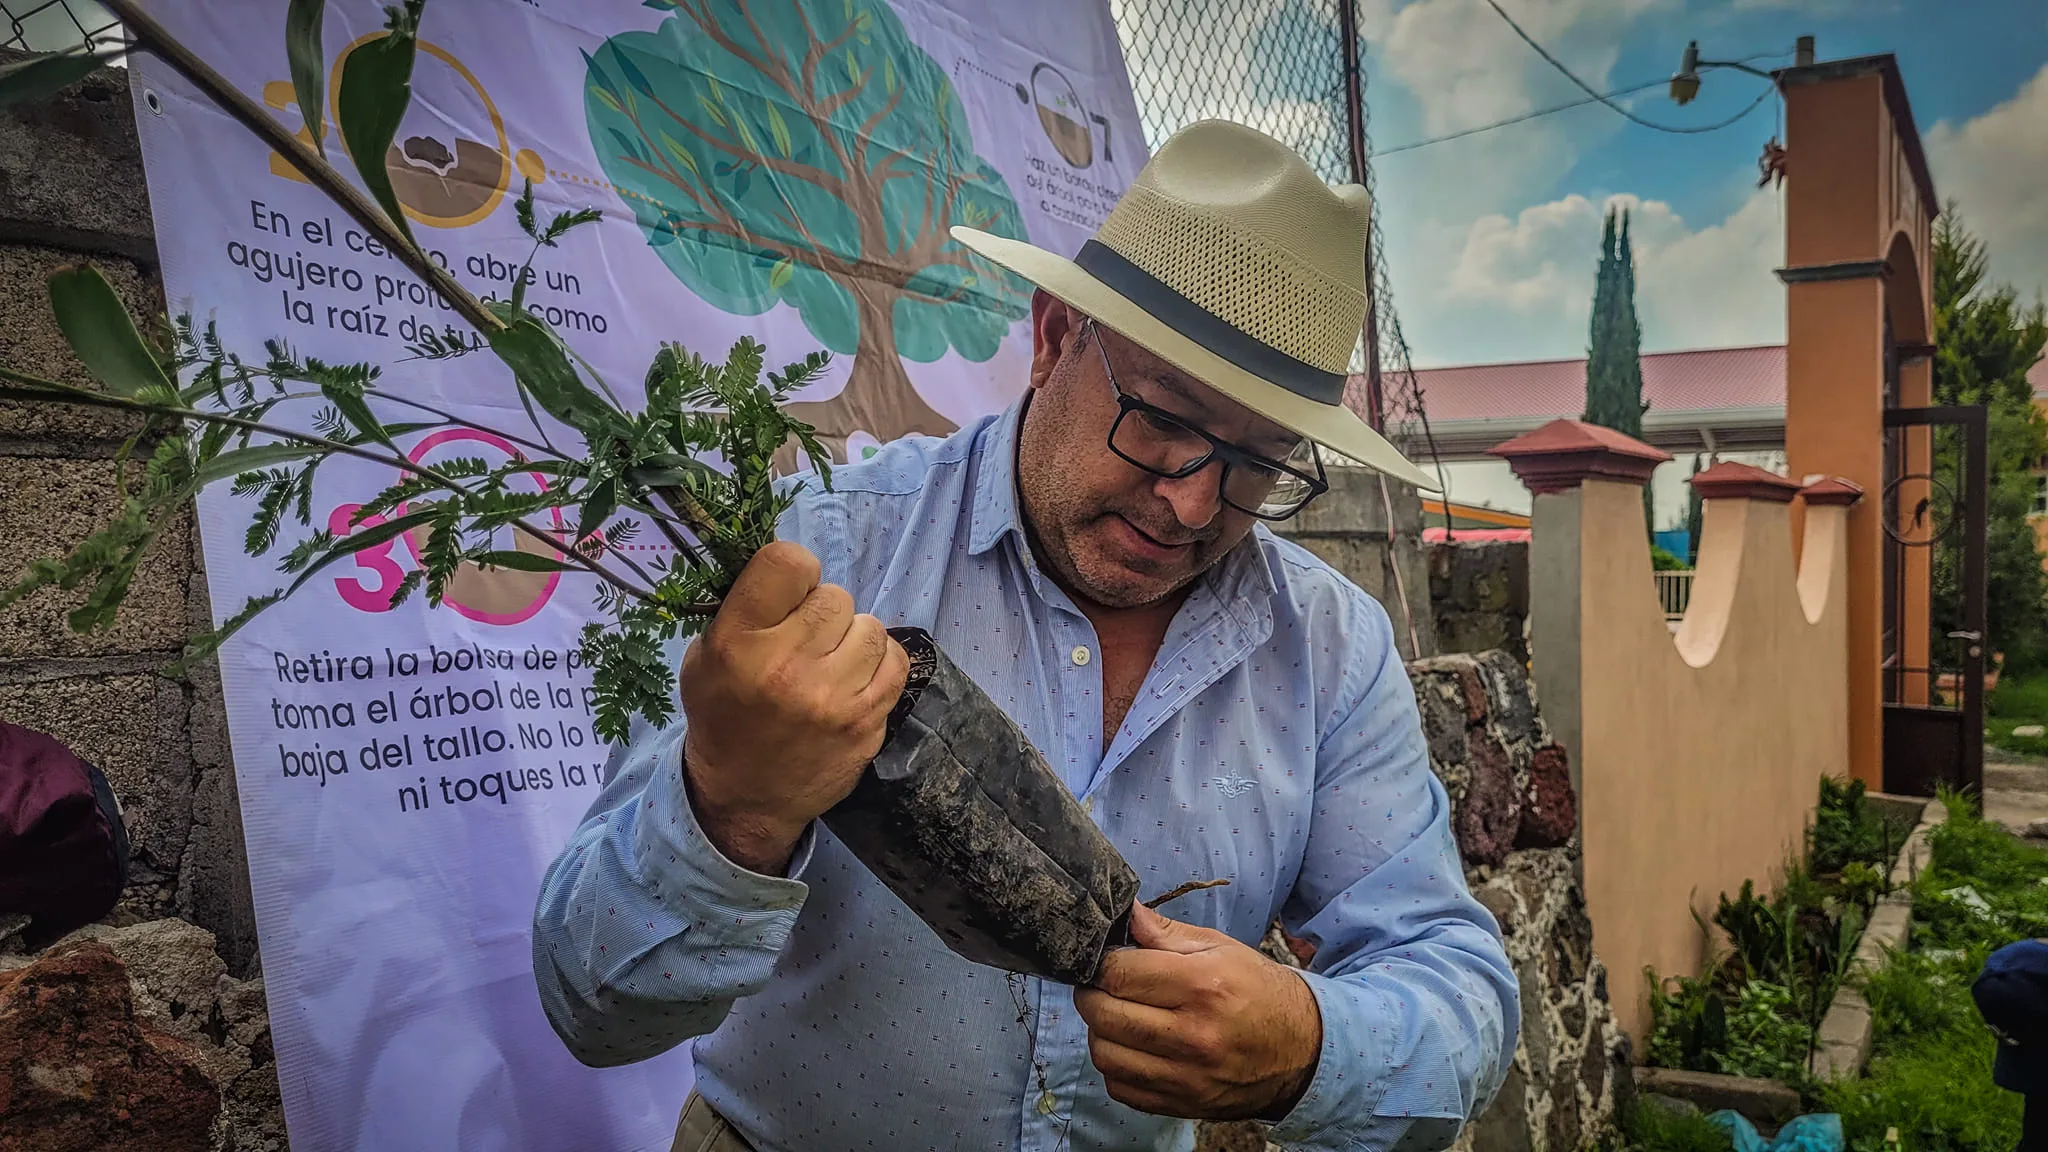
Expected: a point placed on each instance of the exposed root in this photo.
(1177, 893)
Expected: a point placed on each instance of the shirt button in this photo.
(1080, 655)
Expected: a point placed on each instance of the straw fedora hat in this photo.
(1230, 259)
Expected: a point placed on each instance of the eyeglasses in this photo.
(1159, 442)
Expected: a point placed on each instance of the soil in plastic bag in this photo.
(969, 826)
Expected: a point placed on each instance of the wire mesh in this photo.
(54, 25)
(1276, 65)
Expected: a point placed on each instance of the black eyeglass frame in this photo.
(1219, 449)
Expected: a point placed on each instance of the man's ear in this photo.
(1053, 324)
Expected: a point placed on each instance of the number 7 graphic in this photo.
(1099, 118)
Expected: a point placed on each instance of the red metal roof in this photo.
(1700, 380)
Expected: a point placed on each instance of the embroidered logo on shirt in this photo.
(1233, 785)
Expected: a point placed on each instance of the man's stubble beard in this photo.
(1041, 496)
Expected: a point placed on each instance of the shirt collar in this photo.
(996, 510)
(1245, 573)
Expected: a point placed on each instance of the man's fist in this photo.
(1193, 1024)
(786, 694)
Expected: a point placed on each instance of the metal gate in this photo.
(1936, 488)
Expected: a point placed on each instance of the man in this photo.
(1222, 702)
(2012, 997)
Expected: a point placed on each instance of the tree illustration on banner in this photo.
(807, 152)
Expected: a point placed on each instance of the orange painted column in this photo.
(1834, 426)
(1839, 208)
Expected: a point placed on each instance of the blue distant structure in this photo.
(1678, 542)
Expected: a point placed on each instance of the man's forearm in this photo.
(645, 933)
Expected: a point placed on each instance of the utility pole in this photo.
(1354, 116)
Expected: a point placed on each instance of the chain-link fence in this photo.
(1278, 65)
(52, 25)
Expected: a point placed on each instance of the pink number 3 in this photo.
(376, 558)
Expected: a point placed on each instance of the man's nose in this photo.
(1196, 498)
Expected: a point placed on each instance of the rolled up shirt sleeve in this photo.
(1419, 1002)
(644, 933)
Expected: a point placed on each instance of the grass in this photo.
(2017, 701)
(1931, 1075)
(1653, 1129)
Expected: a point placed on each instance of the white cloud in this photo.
(1995, 167)
(1717, 286)
(1521, 287)
(1466, 67)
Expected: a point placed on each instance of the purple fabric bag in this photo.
(63, 847)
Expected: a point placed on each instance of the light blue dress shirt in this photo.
(1274, 743)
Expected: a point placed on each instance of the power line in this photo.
(1579, 103)
(1608, 101)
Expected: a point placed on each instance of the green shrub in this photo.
(1662, 560)
(1917, 995)
(1688, 1023)
(1767, 1034)
(1650, 1128)
(2004, 872)
(1848, 829)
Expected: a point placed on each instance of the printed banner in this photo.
(781, 169)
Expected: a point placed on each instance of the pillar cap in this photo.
(1564, 454)
(1831, 492)
(1729, 480)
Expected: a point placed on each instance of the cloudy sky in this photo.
(1493, 238)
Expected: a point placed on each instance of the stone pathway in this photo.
(2015, 789)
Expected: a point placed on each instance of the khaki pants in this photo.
(703, 1130)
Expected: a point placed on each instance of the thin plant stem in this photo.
(30, 388)
(629, 562)
(663, 519)
(549, 449)
(664, 522)
(698, 520)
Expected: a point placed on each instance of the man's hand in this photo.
(1192, 1023)
(787, 695)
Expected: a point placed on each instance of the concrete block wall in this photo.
(1479, 596)
(1374, 537)
(71, 190)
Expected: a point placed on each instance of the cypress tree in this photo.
(1614, 366)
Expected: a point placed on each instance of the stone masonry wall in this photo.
(72, 189)
(1479, 595)
(1517, 826)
